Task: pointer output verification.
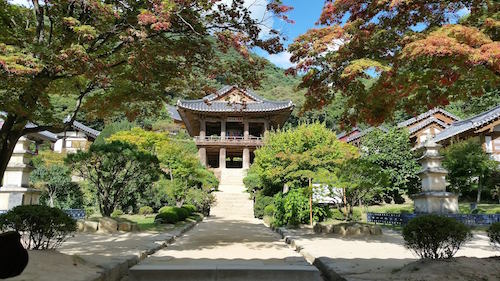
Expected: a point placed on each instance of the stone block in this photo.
(339, 229)
(328, 228)
(318, 228)
(128, 226)
(80, 225)
(90, 226)
(375, 230)
(108, 225)
(353, 230)
(365, 230)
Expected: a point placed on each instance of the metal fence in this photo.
(402, 219)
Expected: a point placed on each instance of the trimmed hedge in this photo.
(435, 237)
(41, 227)
(167, 217)
(181, 213)
(190, 208)
(145, 210)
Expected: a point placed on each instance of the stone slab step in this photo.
(218, 272)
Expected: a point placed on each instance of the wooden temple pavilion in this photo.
(229, 125)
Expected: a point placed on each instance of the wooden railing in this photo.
(228, 140)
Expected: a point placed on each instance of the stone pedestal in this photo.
(434, 198)
(15, 189)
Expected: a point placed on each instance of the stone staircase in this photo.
(232, 200)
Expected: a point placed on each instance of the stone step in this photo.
(220, 272)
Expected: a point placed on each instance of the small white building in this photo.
(80, 138)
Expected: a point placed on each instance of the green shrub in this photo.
(166, 209)
(116, 213)
(269, 210)
(41, 227)
(494, 234)
(261, 202)
(293, 209)
(435, 237)
(169, 216)
(182, 213)
(145, 210)
(190, 208)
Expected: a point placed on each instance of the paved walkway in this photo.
(229, 237)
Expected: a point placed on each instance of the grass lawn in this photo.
(145, 222)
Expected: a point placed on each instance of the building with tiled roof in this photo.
(485, 126)
(229, 124)
(79, 137)
(427, 124)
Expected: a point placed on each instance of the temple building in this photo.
(230, 124)
(485, 127)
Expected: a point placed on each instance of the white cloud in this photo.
(281, 60)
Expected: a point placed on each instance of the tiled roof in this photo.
(364, 132)
(468, 124)
(85, 129)
(426, 115)
(207, 104)
(427, 122)
(174, 114)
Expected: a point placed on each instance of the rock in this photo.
(318, 228)
(339, 229)
(365, 230)
(128, 226)
(80, 225)
(328, 228)
(108, 225)
(375, 230)
(90, 226)
(353, 230)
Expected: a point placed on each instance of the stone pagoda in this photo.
(434, 198)
(16, 190)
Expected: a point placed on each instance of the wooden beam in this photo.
(489, 127)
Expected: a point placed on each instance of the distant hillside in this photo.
(278, 86)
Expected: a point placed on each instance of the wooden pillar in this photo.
(222, 158)
(223, 129)
(202, 153)
(203, 128)
(246, 158)
(266, 126)
(246, 134)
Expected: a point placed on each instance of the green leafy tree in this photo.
(178, 158)
(421, 54)
(360, 180)
(54, 179)
(391, 151)
(469, 166)
(295, 155)
(95, 57)
(117, 171)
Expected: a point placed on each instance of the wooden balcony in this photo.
(228, 141)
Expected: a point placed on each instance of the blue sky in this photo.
(305, 14)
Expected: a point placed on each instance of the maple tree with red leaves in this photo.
(421, 54)
(107, 56)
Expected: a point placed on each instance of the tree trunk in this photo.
(479, 189)
(10, 133)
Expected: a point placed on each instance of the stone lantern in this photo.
(16, 190)
(434, 198)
